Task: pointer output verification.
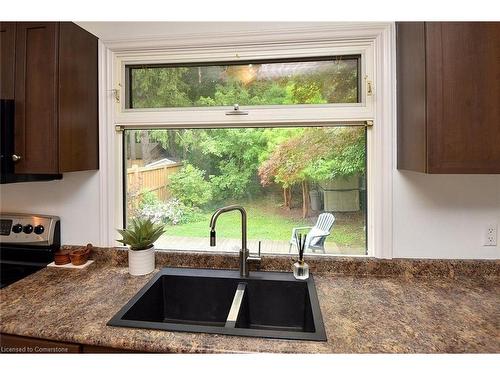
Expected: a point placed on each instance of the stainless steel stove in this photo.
(27, 244)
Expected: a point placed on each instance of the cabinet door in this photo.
(463, 96)
(78, 104)
(21, 344)
(36, 97)
(7, 59)
(102, 349)
(410, 70)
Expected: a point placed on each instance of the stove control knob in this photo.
(28, 229)
(39, 229)
(17, 228)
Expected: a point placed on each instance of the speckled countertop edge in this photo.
(328, 265)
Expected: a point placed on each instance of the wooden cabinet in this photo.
(36, 96)
(30, 345)
(448, 91)
(56, 96)
(91, 349)
(7, 59)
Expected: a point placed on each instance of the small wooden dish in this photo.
(80, 256)
(61, 257)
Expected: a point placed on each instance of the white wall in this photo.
(444, 216)
(75, 199)
(112, 31)
(435, 216)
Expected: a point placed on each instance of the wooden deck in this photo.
(233, 245)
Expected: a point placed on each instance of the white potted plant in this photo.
(140, 238)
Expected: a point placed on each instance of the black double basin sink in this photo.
(266, 304)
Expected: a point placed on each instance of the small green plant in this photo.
(142, 234)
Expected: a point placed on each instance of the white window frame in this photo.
(257, 115)
(373, 41)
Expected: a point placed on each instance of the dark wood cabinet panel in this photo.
(463, 85)
(410, 40)
(448, 97)
(54, 81)
(91, 349)
(7, 59)
(29, 345)
(36, 97)
(78, 99)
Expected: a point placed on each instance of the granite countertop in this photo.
(362, 314)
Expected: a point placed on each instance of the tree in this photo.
(230, 157)
(157, 87)
(315, 155)
(286, 165)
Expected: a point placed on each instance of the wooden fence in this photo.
(149, 179)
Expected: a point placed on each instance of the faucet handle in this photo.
(253, 257)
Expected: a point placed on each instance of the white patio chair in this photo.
(317, 234)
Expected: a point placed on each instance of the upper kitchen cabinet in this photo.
(448, 91)
(50, 68)
(8, 59)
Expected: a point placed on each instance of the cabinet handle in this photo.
(16, 158)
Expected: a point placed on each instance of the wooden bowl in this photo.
(80, 256)
(61, 257)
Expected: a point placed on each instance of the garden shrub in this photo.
(190, 187)
(148, 198)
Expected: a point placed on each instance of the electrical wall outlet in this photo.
(490, 238)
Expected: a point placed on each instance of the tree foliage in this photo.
(156, 87)
(315, 155)
(230, 156)
(248, 84)
(190, 186)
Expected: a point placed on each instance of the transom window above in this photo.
(320, 80)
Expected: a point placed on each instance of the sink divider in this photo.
(234, 311)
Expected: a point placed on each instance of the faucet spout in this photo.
(244, 253)
(215, 216)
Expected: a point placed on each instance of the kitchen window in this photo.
(219, 125)
(284, 177)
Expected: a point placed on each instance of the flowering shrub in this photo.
(174, 210)
(171, 212)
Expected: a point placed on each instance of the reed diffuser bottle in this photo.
(301, 268)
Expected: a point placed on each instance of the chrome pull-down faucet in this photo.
(245, 257)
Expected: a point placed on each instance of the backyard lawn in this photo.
(264, 222)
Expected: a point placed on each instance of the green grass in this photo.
(266, 225)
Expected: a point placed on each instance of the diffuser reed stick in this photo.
(301, 269)
(301, 245)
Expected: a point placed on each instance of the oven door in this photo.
(10, 272)
(19, 261)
